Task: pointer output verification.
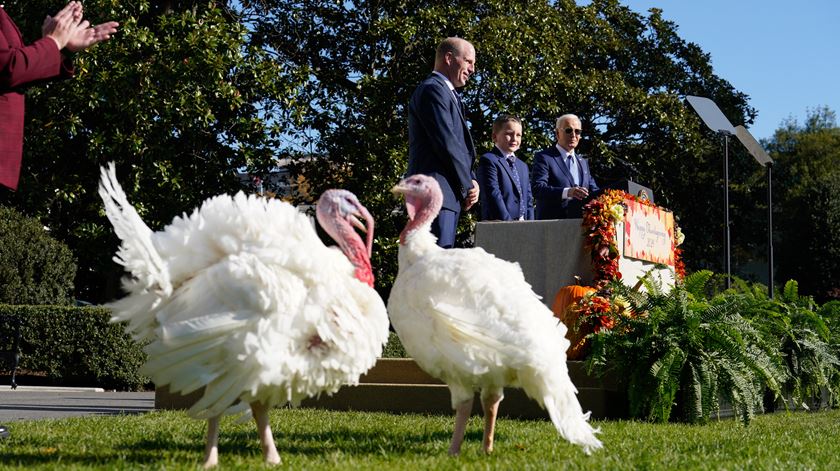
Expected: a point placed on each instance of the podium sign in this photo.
(648, 233)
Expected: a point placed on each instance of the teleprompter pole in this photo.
(726, 251)
(770, 229)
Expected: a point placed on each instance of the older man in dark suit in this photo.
(560, 179)
(439, 141)
(22, 65)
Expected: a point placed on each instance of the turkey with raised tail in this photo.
(471, 320)
(243, 299)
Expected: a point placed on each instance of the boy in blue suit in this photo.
(503, 179)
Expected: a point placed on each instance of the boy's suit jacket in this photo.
(499, 194)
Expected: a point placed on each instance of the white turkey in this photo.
(243, 299)
(471, 320)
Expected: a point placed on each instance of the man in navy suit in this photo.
(439, 141)
(560, 179)
(502, 177)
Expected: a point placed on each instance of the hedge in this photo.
(35, 268)
(76, 346)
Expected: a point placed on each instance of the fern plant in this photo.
(802, 335)
(683, 348)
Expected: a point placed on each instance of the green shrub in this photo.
(684, 349)
(830, 314)
(34, 267)
(702, 343)
(802, 334)
(78, 346)
(394, 348)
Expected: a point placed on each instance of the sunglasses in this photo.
(576, 131)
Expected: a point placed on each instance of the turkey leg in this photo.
(211, 451)
(462, 414)
(264, 430)
(490, 405)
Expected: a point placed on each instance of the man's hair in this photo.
(503, 119)
(563, 118)
(453, 45)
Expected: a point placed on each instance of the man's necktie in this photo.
(460, 103)
(511, 160)
(573, 169)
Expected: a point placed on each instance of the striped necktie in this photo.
(460, 103)
(573, 169)
(511, 160)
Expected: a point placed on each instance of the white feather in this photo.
(473, 321)
(242, 298)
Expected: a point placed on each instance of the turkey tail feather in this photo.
(570, 422)
(137, 252)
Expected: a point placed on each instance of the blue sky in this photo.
(784, 55)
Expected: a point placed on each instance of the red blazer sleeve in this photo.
(21, 65)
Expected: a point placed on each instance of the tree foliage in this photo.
(178, 99)
(190, 91)
(807, 202)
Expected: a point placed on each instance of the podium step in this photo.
(400, 386)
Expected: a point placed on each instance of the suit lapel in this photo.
(561, 163)
(457, 104)
(463, 122)
(584, 172)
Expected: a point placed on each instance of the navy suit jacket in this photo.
(439, 142)
(549, 176)
(499, 196)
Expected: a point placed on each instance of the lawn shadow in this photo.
(241, 440)
(335, 439)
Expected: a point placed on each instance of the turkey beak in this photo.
(399, 189)
(402, 189)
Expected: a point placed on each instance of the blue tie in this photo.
(511, 160)
(573, 169)
(460, 103)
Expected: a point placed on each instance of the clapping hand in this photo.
(86, 36)
(69, 30)
(64, 25)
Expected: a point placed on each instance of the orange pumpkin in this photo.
(564, 301)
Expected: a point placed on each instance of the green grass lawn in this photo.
(312, 439)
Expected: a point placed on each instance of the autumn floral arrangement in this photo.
(599, 219)
(588, 310)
